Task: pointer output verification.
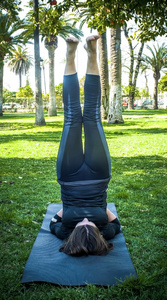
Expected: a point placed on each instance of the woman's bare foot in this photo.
(91, 42)
(90, 47)
(72, 44)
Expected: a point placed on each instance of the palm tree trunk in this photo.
(131, 70)
(155, 102)
(146, 79)
(52, 111)
(39, 116)
(1, 87)
(136, 74)
(115, 101)
(20, 83)
(104, 75)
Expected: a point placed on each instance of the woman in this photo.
(84, 222)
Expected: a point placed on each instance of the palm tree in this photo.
(39, 115)
(51, 44)
(102, 42)
(52, 27)
(84, 17)
(115, 101)
(51, 24)
(20, 62)
(133, 71)
(156, 62)
(8, 38)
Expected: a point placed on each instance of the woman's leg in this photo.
(70, 156)
(97, 155)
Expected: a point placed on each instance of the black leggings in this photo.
(74, 164)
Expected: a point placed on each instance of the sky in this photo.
(11, 81)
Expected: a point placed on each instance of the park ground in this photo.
(138, 188)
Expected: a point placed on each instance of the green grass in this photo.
(138, 187)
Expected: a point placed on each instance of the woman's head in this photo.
(84, 240)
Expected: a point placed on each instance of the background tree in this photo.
(162, 85)
(59, 95)
(12, 8)
(25, 94)
(51, 43)
(115, 101)
(104, 75)
(20, 62)
(53, 27)
(150, 15)
(143, 69)
(157, 62)
(133, 70)
(144, 92)
(9, 37)
(39, 116)
(52, 23)
(126, 91)
(8, 96)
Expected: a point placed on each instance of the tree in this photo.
(84, 17)
(20, 62)
(52, 23)
(12, 8)
(162, 85)
(104, 76)
(126, 91)
(144, 92)
(53, 26)
(115, 101)
(9, 36)
(150, 15)
(157, 62)
(59, 95)
(8, 96)
(133, 70)
(143, 69)
(39, 116)
(25, 93)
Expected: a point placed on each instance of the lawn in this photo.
(138, 188)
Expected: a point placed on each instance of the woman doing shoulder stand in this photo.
(84, 223)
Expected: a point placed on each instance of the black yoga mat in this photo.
(47, 264)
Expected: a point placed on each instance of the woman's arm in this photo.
(110, 215)
(58, 216)
(60, 213)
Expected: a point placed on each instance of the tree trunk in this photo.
(39, 116)
(145, 75)
(20, 83)
(1, 87)
(131, 89)
(132, 98)
(52, 111)
(104, 75)
(115, 101)
(133, 74)
(155, 101)
(131, 69)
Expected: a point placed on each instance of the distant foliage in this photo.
(162, 85)
(25, 92)
(8, 96)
